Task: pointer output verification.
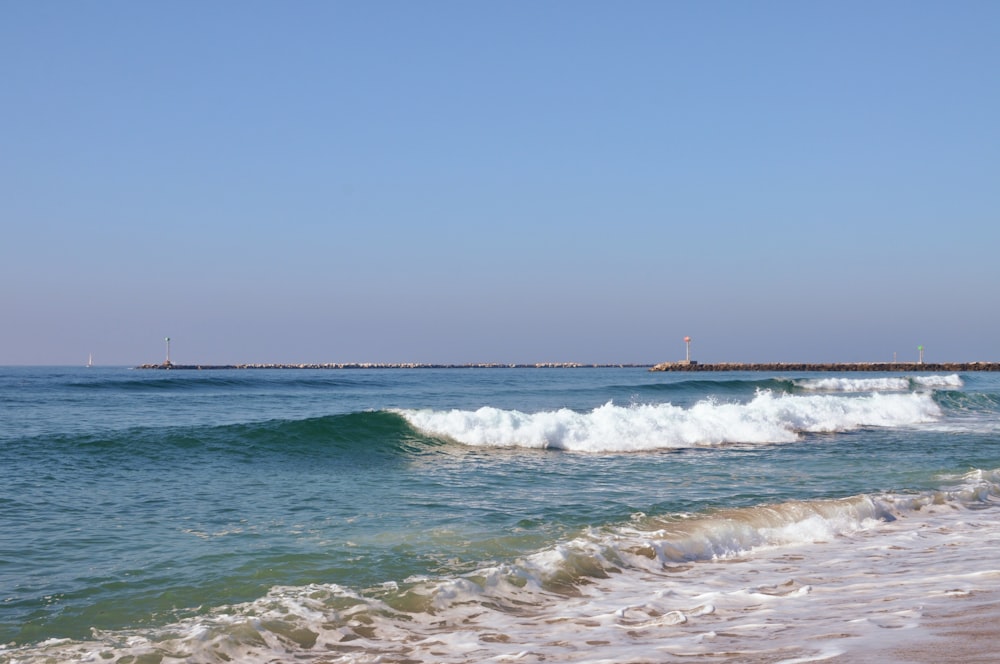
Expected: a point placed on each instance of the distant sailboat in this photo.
(90, 360)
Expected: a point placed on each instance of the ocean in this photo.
(490, 515)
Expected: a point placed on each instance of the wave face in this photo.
(767, 418)
(489, 515)
(352, 438)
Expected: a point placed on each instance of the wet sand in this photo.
(968, 633)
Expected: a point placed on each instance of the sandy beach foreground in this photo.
(966, 634)
(966, 631)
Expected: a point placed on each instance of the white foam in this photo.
(878, 384)
(739, 532)
(947, 382)
(610, 428)
(837, 384)
(796, 581)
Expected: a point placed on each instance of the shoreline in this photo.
(395, 365)
(908, 367)
(889, 367)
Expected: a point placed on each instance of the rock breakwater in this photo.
(389, 365)
(834, 366)
(664, 366)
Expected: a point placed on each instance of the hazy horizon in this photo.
(450, 182)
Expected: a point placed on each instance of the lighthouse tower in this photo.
(687, 353)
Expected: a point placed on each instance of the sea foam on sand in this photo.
(893, 578)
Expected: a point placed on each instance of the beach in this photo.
(966, 633)
(602, 515)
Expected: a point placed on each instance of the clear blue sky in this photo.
(498, 181)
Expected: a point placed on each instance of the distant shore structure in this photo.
(888, 367)
(664, 366)
(396, 365)
(167, 362)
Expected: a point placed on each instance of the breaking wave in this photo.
(632, 576)
(880, 384)
(767, 418)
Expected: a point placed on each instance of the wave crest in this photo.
(880, 384)
(610, 428)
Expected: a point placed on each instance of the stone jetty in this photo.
(664, 366)
(389, 365)
(835, 366)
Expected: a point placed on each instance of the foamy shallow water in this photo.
(786, 583)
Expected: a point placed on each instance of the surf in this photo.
(766, 419)
(678, 583)
(879, 384)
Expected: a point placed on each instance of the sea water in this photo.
(498, 514)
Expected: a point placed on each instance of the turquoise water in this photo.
(165, 506)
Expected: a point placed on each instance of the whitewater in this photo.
(496, 515)
(609, 428)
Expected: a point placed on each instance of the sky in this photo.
(452, 182)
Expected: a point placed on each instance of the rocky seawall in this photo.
(664, 366)
(388, 365)
(835, 366)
